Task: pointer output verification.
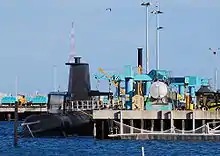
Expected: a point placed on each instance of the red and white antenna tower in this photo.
(72, 45)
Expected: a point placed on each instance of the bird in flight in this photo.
(108, 9)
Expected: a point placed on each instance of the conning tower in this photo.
(79, 80)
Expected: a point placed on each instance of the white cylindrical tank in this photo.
(158, 90)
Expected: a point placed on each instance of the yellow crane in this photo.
(113, 82)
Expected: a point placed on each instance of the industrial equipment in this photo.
(207, 99)
(112, 80)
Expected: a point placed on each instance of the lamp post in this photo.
(158, 28)
(146, 5)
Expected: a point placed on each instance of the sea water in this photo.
(86, 146)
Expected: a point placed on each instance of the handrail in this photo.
(89, 105)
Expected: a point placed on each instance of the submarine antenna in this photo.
(72, 45)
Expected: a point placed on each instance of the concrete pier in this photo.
(136, 123)
(145, 114)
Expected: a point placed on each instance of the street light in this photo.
(147, 4)
(158, 28)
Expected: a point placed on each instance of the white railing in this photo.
(204, 129)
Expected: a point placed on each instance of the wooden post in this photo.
(103, 129)
(16, 125)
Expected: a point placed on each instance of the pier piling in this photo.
(121, 123)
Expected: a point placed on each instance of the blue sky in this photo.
(35, 35)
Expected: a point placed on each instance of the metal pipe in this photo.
(140, 64)
(140, 57)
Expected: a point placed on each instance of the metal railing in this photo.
(92, 105)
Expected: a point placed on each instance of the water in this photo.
(86, 146)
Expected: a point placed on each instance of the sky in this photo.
(35, 36)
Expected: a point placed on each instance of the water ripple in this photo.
(87, 146)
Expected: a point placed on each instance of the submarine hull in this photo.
(58, 125)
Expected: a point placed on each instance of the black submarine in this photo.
(62, 119)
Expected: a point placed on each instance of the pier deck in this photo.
(23, 109)
(153, 114)
(7, 112)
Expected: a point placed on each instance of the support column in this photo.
(193, 121)
(161, 125)
(103, 129)
(161, 122)
(132, 126)
(152, 125)
(121, 123)
(171, 121)
(142, 125)
(183, 126)
(203, 129)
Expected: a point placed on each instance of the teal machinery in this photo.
(187, 86)
(194, 83)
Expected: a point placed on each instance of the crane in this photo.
(112, 81)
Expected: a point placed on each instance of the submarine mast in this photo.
(72, 45)
(79, 78)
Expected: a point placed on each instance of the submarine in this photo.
(64, 117)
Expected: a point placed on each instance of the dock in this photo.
(7, 112)
(153, 124)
